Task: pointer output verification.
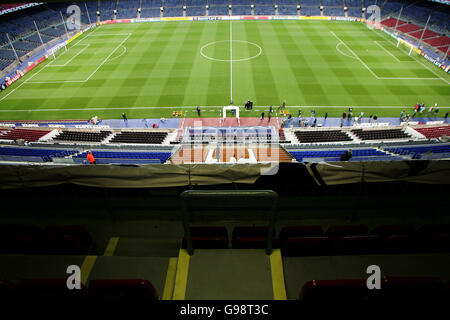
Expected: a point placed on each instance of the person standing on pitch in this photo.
(124, 116)
(198, 111)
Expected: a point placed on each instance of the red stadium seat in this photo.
(389, 230)
(300, 231)
(307, 246)
(347, 231)
(50, 291)
(134, 290)
(208, 238)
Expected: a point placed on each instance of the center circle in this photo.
(230, 51)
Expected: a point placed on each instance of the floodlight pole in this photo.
(89, 18)
(398, 19)
(424, 29)
(39, 34)
(64, 24)
(14, 50)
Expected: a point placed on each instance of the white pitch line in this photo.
(356, 56)
(231, 62)
(414, 57)
(192, 107)
(70, 60)
(108, 57)
(389, 53)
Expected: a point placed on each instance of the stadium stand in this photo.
(25, 134)
(334, 155)
(33, 154)
(139, 137)
(80, 136)
(355, 239)
(384, 134)
(422, 152)
(434, 132)
(307, 136)
(110, 157)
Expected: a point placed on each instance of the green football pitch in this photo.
(148, 70)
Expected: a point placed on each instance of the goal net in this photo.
(406, 45)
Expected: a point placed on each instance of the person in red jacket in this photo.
(90, 158)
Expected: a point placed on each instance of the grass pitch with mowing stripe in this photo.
(147, 70)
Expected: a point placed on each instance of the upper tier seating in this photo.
(381, 134)
(82, 136)
(139, 137)
(25, 134)
(306, 136)
(434, 132)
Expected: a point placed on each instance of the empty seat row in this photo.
(337, 240)
(31, 239)
(381, 134)
(434, 132)
(139, 137)
(321, 136)
(25, 134)
(82, 136)
(51, 291)
(394, 291)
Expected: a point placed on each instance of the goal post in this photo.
(225, 109)
(405, 44)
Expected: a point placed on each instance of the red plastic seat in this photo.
(134, 290)
(208, 237)
(389, 230)
(347, 231)
(300, 231)
(307, 246)
(357, 245)
(50, 291)
(323, 292)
